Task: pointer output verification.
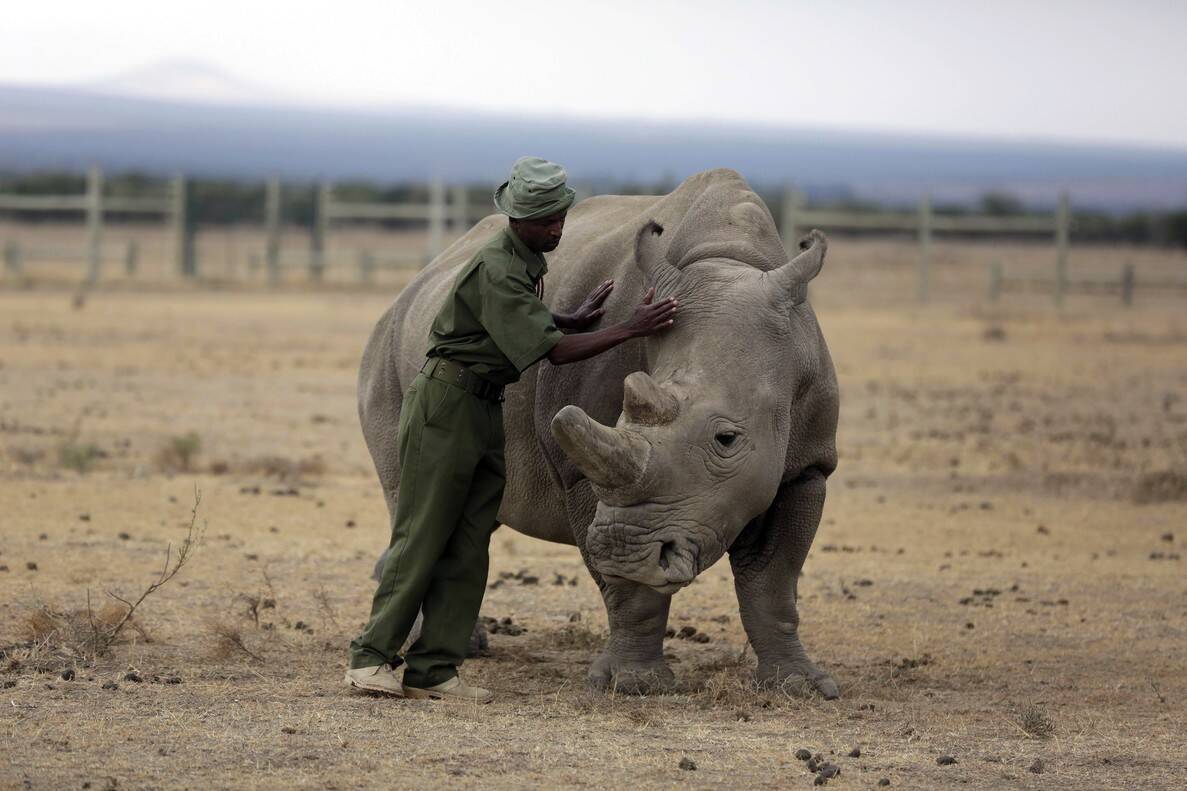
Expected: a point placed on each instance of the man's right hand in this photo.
(651, 316)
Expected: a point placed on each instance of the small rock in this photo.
(686, 632)
(123, 536)
(31, 566)
(742, 716)
(829, 771)
(885, 781)
(812, 765)
(8, 685)
(43, 537)
(288, 729)
(529, 580)
(84, 517)
(700, 637)
(945, 760)
(820, 780)
(349, 523)
(133, 676)
(68, 674)
(1168, 537)
(687, 764)
(670, 632)
(1043, 531)
(802, 754)
(1037, 766)
(855, 752)
(110, 685)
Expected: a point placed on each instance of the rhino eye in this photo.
(726, 438)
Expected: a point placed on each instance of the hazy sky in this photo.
(1077, 70)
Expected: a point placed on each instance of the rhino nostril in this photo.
(666, 550)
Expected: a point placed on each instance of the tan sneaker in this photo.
(379, 678)
(452, 690)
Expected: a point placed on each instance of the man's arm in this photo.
(649, 318)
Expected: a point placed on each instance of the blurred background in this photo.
(260, 143)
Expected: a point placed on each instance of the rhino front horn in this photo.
(609, 457)
(644, 402)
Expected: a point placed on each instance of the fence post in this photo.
(995, 280)
(272, 229)
(366, 266)
(131, 254)
(924, 247)
(94, 223)
(461, 210)
(1063, 217)
(1127, 284)
(436, 218)
(793, 202)
(12, 258)
(183, 238)
(321, 226)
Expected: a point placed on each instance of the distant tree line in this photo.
(221, 202)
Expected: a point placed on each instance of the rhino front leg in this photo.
(767, 559)
(633, 660)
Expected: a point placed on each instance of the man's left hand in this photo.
(591, 309)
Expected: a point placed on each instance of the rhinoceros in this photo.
(661, 455)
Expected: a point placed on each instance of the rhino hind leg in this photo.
(766, 560)
(632, 662)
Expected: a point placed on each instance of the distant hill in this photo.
(235, 134)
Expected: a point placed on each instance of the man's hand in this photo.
(589, 311)
(651, 316)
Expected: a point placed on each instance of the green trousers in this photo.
(451, 485)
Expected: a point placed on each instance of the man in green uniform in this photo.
(492, 327)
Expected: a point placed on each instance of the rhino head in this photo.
(700, 447)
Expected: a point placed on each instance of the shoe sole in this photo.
(378, 690)
(424, 694)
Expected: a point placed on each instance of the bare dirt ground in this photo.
(998, 577)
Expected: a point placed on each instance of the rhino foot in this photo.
(610, 673)
(798, 678)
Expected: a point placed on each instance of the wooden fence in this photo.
(93, 205)
(925, 224)
(449, 210)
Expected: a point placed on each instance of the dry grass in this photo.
(997, 575)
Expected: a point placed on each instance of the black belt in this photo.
(461, 376)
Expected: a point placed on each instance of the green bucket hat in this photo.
(536, 189)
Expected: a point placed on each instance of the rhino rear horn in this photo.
(609, 457)
(644, 402)
(790, 281)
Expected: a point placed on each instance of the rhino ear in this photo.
(789, 283)
(650, 256)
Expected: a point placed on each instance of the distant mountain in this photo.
(240, 132)
(184, 80)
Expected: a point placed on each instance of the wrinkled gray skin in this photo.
(660, 456)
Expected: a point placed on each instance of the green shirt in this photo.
(492, 321)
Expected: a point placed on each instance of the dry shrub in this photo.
(79, 456)
(229, 641)
(284, 469)
(1034, 722)
(177, 453)
(55, 639)
(1164, 486)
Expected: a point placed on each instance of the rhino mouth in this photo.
(664, 560)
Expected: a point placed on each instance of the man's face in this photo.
(541, 235)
